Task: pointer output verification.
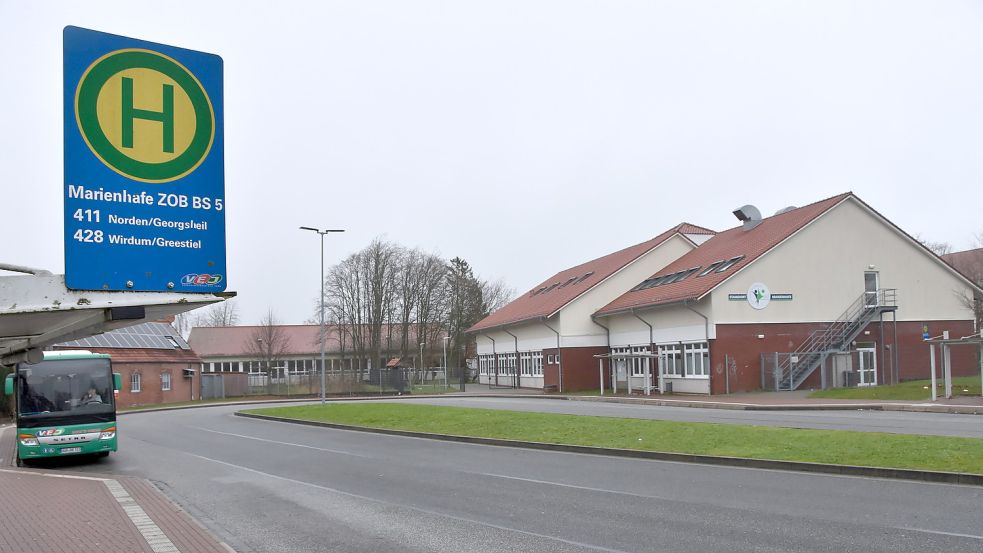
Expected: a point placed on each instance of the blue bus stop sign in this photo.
(144, 166)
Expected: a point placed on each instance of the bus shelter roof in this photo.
(38, 310)
(972, 339)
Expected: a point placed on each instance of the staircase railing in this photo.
(835, 337)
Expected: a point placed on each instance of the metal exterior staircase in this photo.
(792, 371)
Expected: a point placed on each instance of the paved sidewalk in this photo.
(48, 511)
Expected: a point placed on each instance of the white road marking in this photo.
(587, 488)
(151, 533)
(409, 507)
(571, 486)
(244, 436)
(941, 533)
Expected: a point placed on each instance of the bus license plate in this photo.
(71, 450)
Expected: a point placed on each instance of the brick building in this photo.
(827, 294)
(157, 364)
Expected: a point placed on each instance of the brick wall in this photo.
(741, 343)
(579, 368)
(150, 384)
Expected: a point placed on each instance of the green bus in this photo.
(64, 405)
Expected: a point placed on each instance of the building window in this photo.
(165, 381)
(537, 363)
(508, 364)
(525, 363)
(135, 382)
(637, 364)
(729, 263)
(697, 359)
(671, 359)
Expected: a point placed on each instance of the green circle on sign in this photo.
(86, 114)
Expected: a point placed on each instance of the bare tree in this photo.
(269, 342)
(183, 324)
(972, 269)
(387, 298)
(940, 248)
(495, 295)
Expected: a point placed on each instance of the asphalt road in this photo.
(896, 422)
(266, 486)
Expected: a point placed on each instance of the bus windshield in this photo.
(65, 387)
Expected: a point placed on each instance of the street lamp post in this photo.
(322, 233)
(423, 368)
(446, 338)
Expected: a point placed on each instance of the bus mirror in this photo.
(8, 385)
(117, 381)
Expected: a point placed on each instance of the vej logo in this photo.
(50, 432)
(200, 280)
(144, 115)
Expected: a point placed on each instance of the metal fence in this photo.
(384, 381)
(777, 376)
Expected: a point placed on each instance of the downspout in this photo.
(651, 340)
(593, 319)
(495, 357)
(651, 336)
(515, 369)
(559, 362)
(607, 330)
(706, 335)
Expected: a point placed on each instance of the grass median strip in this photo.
(841, 447)
(911, 390)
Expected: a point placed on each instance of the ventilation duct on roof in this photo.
(785, 210)
(749, 215)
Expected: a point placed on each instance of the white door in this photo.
(867, 367)
(871, 283)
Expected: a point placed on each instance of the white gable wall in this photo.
(673, 323)
(531, 337)
(823, 268)
(576, 327)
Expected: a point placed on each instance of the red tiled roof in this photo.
(969, 263)
(726, 245)
(235, 341)
(532, 305)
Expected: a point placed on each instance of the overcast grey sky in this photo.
(527, 136)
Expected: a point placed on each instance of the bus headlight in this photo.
(108, 434)
(27, 439)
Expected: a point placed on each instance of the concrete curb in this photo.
(266, 401)
(798, 466)
(911, 407)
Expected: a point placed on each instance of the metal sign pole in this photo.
(600, 373)
(931, 353)
(947, 368)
